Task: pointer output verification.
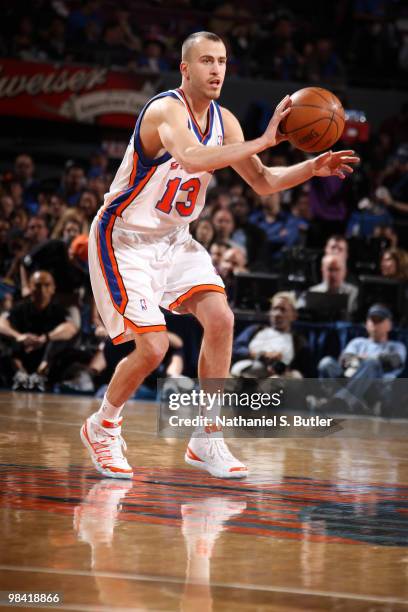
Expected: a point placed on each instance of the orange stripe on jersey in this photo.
(134, 169)
(193, 290)
(190, 112)
(138, 188)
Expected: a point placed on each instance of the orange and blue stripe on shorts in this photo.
(139, 177)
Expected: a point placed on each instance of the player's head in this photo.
(203, 64)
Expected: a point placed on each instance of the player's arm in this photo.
(264, 180)
(171, 120)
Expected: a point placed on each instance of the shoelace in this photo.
(217, 447)
(109, 449)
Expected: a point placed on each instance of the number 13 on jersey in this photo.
(185, 209)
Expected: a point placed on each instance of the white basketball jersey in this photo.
(158, 194)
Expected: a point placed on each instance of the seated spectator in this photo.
(36, 232)
(24, 171)
(399, 209)
(224, 225)
(88, 204)
(42, 331)
(334, 272)
(152, 58)
(365, 359)
(301, 214)
(248, 235)
(217, 250)
(337, 245)
(275, 349)
(394, 264)
(204, 232)
(71, 224)
(281, 230)
(395, 175)
(233, 261)
(73, 183)
(7, 207)
(371, 214)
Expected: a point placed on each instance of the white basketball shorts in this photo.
(133, 274)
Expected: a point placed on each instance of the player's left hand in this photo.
(334, 163)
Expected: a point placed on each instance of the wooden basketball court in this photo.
(321, 524)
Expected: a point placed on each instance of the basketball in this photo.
(316, 120)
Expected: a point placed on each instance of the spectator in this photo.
(324, 64)
(247, 235)
(73, 183)
(371, 214)
(337, 245)
(223, 222)
(274, 349)
(365, 359)
(7, 207)
(42, 331)
(233, 261)
(204, 233)
(394, 264)
(152, 58)
(281, 230)
(217, 250)
(36, 232)
(334, 272)
(88, 204)
(24, 170)
(71, 224)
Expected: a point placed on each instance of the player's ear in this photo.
(184, 70)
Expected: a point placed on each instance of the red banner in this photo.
(90, 94)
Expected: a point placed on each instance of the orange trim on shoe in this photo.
(123, 337)
(111, 424)
(212, 428)
(103, 466)
(238, 469)
(193, 290)
(192, 455)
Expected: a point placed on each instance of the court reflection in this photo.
(202, 522)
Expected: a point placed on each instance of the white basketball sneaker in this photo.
(210, 453)
(104, 443)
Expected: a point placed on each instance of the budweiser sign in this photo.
(73, 93)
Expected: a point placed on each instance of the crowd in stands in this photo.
(332, 42)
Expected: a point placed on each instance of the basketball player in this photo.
(142, 256)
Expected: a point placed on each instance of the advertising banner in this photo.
(90, 94)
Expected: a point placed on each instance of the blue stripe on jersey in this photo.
(106, 261)
(137, 142)
(141, 172)
(217, 107)
(211, 122)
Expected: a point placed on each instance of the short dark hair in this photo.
(193, 38)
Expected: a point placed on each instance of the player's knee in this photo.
(221, 325)
(154, 349)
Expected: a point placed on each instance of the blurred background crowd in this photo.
(329, 250)
(363, 41)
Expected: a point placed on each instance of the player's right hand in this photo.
(272, 133)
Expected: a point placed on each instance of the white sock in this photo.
(109, 411)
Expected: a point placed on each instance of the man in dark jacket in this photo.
(41, 329)
(273, 350)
